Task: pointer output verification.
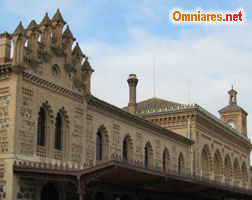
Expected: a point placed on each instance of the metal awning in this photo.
(171, 183)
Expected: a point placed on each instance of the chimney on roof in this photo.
(5, 47)
(132, 81)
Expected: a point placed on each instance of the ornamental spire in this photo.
(58, 17)
(68, 34)
(86, 66)
(20, 31)
(46, 21)
(77, 50)
(33, 26)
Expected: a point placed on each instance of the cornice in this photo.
(105, 107)
(51, 86)
(196, 108)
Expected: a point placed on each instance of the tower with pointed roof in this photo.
(234, 115)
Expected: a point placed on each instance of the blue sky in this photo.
(122, 37)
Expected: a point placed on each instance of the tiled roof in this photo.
(153, 103)
(231, 107)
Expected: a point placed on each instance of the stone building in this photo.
(58, 141)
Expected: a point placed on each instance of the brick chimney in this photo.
(5, 47)
(132, 81)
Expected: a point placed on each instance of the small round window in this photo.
(55, 71)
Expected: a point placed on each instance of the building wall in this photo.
(213, 139)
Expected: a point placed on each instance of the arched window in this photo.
(244, 175)
(218, 166)
(148, 155)
(127, 148)
(181, 164)
(166, 160)
(146, 159)
(41, 127)
(125, 154)
(58, 132)
(102, 144)
(236, 169)
(98, 145)
(206, 162)
(227, 169)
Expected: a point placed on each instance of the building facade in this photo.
(58, 141)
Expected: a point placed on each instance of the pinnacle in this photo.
(86, 65)
(58, 17)
(46, 21)
(77, 50)
(68, 34)
(20, 31)
(33, 26)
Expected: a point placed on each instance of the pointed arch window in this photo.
(58, 132)
(125, 150)
(148, 155)
(146, 159)
(166, 159)
(98, 145)
(181, 164)
(41, 127)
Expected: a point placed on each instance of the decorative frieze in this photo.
(51, 86)
(28, 126)
(27, 102)
(4, 90)
(3, 135)
(26, 137)
(4, 147)
(4, 100)
(26, 113)
(27, 92)
(2, 173)
(4, 111)
(26, 149)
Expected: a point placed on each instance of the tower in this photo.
(132, 81)
(234, 115)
